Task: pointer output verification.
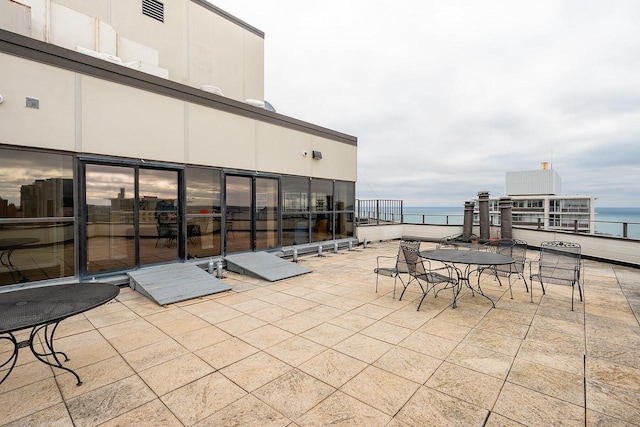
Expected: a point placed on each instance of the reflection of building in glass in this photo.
(7, 210)
(51, 197)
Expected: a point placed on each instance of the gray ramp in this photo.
(264, 265)
(166, 284)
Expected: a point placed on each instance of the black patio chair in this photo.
(558, 262)
(517, 249)
(396, 267)
(421, 271)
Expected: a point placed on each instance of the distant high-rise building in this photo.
(538, 202)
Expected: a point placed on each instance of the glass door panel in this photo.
(266, 210)
(238, 217)
(158, 216)
(110, 197)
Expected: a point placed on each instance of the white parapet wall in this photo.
(614, 249)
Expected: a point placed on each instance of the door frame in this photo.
(253, 176)
(82, 218)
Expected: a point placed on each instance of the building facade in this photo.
(537, 202)
(132, 134)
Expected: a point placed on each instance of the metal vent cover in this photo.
(153, 9)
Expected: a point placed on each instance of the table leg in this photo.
(455, 287)
(479, 290)
(49, 350)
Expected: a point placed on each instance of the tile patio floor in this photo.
(324, 348)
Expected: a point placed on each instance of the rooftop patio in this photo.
(325, 348)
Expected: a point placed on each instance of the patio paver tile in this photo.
(294, 393)
(198, 400)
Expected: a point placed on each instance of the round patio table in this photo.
(467, 259)
(42, 309)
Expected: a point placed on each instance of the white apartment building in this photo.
(135, 133)
(537, 202)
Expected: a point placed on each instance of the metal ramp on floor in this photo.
(166, 284)
(264, 266)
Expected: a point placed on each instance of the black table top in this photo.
(467, 257)
(25, 308)
(16, 242)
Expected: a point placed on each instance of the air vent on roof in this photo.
(153, 9)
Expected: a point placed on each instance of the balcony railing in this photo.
(389, 211)
(379, 211)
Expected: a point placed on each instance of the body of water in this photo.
(608, 219)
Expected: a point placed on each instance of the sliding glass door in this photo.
(252, 213)
(132, 217)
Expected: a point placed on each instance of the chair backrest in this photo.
(503, 247)
(559, 261)
(519, 253)
(407, 254)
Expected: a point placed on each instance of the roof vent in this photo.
(153, 9)
(212, 89)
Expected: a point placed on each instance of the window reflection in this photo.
(331, 205)
(295, 229)
(36, 187)
(266, 210)
(321, 195)
(203, 212)
(344, 196)
(110, 196)
(322, 227)
(295, 194)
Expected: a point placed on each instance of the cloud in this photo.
(445, 97)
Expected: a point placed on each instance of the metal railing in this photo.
(378, 211)
(391, 211)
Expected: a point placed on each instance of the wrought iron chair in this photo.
(517, 249)
(399, 267)
(431, 277)
(558, 262)
(167, 231)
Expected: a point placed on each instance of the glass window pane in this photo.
(344, 225)
(295, 229)
(36, 251)
(321, 195)
(203, 191)
(35, 185)
(203, 236)
(203, 212)
(110, 229)
(295, 194)
(158, 216)
(238, 220)
(266, 210)
(322, 227)
(345, 196)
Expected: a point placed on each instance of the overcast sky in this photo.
(445, 97)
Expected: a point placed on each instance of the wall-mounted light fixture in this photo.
(317, 154)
